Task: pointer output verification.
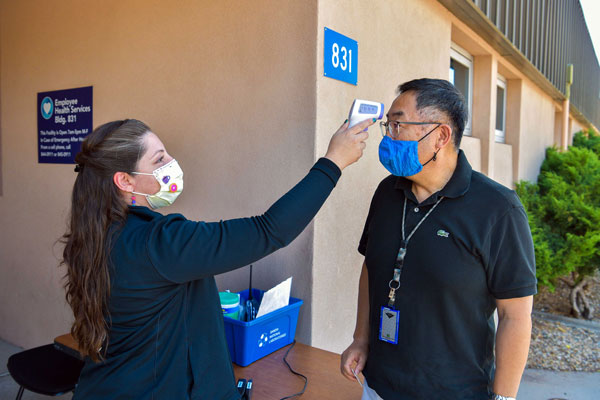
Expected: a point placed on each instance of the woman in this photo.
(141, 286)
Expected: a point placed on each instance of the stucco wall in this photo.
(503, 157)
(576, 126)
(398, 41)
(472, 148)
(536, 133)
(228, 86)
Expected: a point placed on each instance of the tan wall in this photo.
(557, 126)
(485, 68)
(503, 158)
(537, 133)
(530, 118)
(576, 126)
(388, 56)
(228, 86)
(472, 148)
(514, 92)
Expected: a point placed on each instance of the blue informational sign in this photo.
(64, 120)
(340, 57)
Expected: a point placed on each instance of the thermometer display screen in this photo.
(367, 109)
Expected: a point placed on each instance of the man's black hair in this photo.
(443, 96)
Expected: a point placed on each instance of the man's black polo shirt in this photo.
(475, 247)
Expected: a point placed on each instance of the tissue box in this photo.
(250, 341)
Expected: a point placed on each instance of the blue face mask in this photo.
(401, 157)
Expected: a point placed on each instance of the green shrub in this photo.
(564, 211)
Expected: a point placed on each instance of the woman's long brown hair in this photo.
(97, 211)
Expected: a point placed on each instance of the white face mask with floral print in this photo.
(170, 178)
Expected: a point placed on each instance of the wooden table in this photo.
(272, 379)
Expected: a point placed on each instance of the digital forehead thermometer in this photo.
(364, 109)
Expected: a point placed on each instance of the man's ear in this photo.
(445, 136)
(124, 181)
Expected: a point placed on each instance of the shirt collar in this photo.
(143, 212)
(457, 186)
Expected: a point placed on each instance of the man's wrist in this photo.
(495, 396)
(361, 339)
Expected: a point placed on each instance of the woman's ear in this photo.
(124, 181)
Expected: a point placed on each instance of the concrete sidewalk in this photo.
(539, 384)
(536, 384)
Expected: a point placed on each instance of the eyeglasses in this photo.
(392, 128)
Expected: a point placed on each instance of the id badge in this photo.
(388, 325)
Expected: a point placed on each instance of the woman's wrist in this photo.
(335, 160)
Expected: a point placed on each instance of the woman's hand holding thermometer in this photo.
(364, 109)
(347, 144)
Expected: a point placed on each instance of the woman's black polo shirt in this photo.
(475, 247)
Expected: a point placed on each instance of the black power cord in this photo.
(295, 373)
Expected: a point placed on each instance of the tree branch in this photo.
(580, 304)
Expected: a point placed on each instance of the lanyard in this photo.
(395, 282)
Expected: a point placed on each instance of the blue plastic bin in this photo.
(250, 341)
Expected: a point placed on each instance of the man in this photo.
(444, 247)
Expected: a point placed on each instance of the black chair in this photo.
(44, 370)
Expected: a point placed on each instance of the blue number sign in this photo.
(340, 57)
(64, 120)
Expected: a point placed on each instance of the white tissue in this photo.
(275, 298)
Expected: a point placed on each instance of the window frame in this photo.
(500, 135)
(464, 58)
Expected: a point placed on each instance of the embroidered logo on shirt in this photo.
(443, 233)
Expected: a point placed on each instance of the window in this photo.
(461, 76)
(501, 110)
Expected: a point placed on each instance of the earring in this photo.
(133, 200)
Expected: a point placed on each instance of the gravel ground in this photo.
(560, 347)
